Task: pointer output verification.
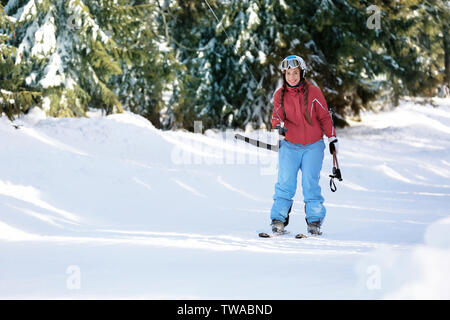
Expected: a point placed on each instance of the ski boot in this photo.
(314, 228)
(277, 226)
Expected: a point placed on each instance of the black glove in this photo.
(281, 130)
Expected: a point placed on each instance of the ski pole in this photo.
(257, 143)
(336, 173)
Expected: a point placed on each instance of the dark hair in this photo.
(305, 91)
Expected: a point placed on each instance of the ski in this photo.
(274, 235)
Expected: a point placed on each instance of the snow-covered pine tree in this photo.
(440, 13)
(264, 45)
(15, 96)
(71, 57)
(147, 68)
(428, 39)
(229, 85)
(187, 30)
(406, 50)
(220, 87)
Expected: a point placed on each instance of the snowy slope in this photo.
(129, 211)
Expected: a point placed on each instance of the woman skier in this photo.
(301, 114)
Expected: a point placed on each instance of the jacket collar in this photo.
(296, 88)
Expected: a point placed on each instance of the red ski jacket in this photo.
(299, 130)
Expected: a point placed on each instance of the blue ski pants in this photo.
(292, 158)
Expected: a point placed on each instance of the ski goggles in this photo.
(292, 62)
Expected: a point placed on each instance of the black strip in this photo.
(247, 139)
(225, 309)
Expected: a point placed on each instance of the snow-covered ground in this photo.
(110, 207)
